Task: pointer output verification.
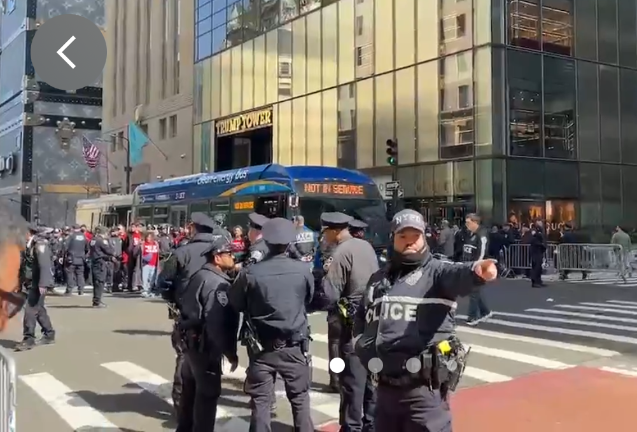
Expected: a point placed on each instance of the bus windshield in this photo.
(370, 211)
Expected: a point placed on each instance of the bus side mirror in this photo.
(293, 201)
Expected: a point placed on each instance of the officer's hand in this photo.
(234, 364)
(486, 269)
(42, 290)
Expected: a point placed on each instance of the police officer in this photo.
(185, 261)
(258, 249)
(163, 239)
(75, 249)
(353, 262)
(101, 253)
(114, 278)
(538, 248)
(38, 276)
(208, 326)
(405, 330)
(357, 228)
(475, 248)
(304, 249)
(272, 295)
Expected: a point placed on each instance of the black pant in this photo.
(412, 410)
(333, 341)
(35, 312)
(177, 390)
(536, 268)
(352, 381)
(291, 364)
(201, 389)
(98, 268)
(75, 277)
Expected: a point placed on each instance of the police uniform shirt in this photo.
(306, 243)
(353, 261)
(100, 248)
(42, 276)
(76, 247)
(475, 245)
(278, 288)
(206, 308)
(116, 244)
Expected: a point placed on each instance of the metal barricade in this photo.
(593, 258)
(8, 377)
(518, 257)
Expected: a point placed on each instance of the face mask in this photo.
(411, 259)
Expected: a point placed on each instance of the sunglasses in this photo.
(15, 301)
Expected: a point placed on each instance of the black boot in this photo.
(25, 345)
(46, 340)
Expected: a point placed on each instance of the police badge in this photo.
(414, 278)
(222, 298)
(41, 248)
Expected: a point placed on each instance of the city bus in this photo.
(108, 210)
(272, 190)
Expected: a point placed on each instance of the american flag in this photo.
(91, 152)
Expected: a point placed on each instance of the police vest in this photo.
(305, 242)
(400, 322)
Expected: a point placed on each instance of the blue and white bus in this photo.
(272, 190)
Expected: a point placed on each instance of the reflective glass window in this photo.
(218, 5)
(628, 110)
(524, 23)
(627, 33)
(219, 19)
(557, 26)
(525, 103)
(587, 112)
(347, 126)
(456, 105)
(204, 46)
(586, 29)
(609, 113)
(607, 31)
(559, 108)
(590, 195)
(219, 39)
(611, 196)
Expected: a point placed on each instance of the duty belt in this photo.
(279, 344)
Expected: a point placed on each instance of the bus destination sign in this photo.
(331, 188)
(243, 205)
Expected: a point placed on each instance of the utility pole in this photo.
(127, 168)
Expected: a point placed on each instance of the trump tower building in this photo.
(515, 109)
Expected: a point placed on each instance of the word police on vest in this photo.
(408, 219)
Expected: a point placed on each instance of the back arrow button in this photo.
(64, 47)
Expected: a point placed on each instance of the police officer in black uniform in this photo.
(208, 326)
(114, 267)
(257, 250)
(272, 295)
(405, 330)
(304, 249)
(357, 228)
(38, 275)
(184, 262)
(353, 263)
(76, 249)
(100, 255)
(475, 248)
(537, 250)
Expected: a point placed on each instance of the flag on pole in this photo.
(137, 140)
(91, 152)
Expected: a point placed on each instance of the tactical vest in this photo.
(404, 318)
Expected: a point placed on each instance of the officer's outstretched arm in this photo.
(456, 279)
(237, 294)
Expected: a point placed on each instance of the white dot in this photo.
(337, 365)
(413, 365)
(375, 365)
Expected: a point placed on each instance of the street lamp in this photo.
(127, 168)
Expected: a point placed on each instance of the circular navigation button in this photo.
(68, 52)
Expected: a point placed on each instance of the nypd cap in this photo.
(358, 224)
(257, 221)
(408, 219)
(279, 231)
(204, 221)
(76, 226)
(335, 220)
(218, 246)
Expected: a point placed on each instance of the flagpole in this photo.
(128, 168)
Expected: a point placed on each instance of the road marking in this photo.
(519, 357)
(582, 315)
(597, 309)
(619, 371)
(485, 376)
(61, 52)
(74, 410)
(612, 306)
(559, 330)
(622, 302)
(152, 382)
(567, 321)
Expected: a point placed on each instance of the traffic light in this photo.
(392, 152)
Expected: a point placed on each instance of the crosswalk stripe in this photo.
(597, 309)
(536, 341)
(582, 315)
(612, 306)
(567, 321)
(519, 357)
(619, 371)
(622, 302)
(559, 330)
(485, 376)
(73, 409)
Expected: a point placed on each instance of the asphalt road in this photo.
(111, 369)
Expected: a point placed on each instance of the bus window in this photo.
(160, 215)
(200, 206)
(109, 220)
(272, 206)
(178, 216)
(220, 210)
(143, 213)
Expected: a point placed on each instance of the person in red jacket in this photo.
(150, 263)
